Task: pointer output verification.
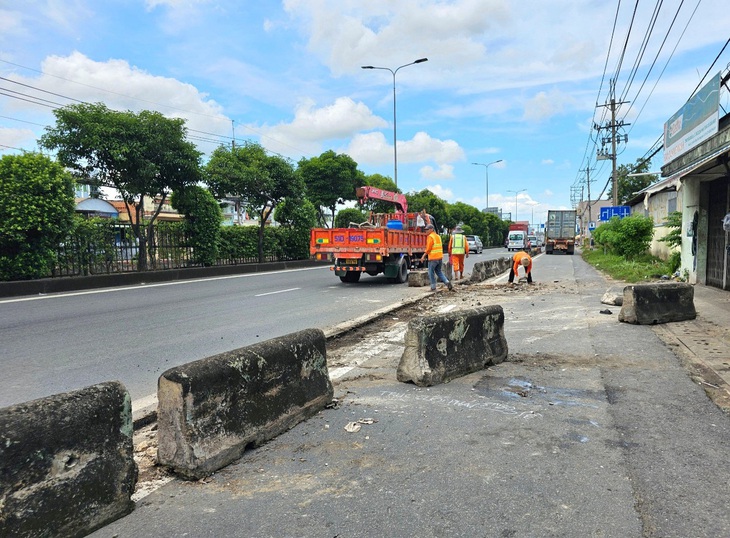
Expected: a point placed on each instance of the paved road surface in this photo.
(591, 428)
(55, 343)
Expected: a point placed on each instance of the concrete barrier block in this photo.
(418, 278)
(66, 462)
(489, 268)
(211, 410)
(446, 346)
(649, 304)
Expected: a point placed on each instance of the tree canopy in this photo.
(203, 219)
(330, 179)
(35, 216)
(433, 205)
(141, 155)
(260, 180)
(627, 185)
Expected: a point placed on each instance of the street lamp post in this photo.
(486, 171)
(516, 193)
(395, 149)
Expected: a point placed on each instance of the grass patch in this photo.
(645, 268)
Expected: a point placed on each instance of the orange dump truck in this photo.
(387, 243)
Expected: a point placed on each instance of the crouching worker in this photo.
(521, 258)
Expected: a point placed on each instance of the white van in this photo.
(517, 240)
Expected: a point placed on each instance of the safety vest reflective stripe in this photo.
(436, 250)
(457, 244)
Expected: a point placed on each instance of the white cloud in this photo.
(312, 127)
(444, 171)
(105, 82)
(372, 148)
(422, 147)
(16, 138)
(545, 105)
(441, 192)
(547, 162)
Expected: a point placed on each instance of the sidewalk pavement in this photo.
(590, 428)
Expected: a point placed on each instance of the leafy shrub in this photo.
(35, 215)
(202, 222)
(628, 237)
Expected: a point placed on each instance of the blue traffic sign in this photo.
(619, 211)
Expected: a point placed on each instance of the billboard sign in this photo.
(694, 123)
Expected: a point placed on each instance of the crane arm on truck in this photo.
(373, 193)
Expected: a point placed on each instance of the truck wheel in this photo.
(351, 277)
(402, 276)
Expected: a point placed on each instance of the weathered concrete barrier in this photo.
(446, 346)
(418, 278)
(649, 304)
(211, 410)
(489, 268)
(66, 462)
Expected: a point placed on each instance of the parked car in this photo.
(475, 244)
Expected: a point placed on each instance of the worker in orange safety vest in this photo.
(458, 250)
(435, 254)
(523, 259)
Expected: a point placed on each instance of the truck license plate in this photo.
(351, 261)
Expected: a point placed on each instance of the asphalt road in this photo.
(590, 428)
(56, 343)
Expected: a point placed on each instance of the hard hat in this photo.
(429, 226)
(525, 261)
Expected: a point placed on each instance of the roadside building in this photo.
(697, 164)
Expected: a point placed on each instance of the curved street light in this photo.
(393, 72)
(486, 170)
(516, 193)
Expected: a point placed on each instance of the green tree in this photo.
(498, 229)
(330, 179)
(628, 185)
(351, 214)
(262, 181)
(202, 223)
(36, 214)
(141, 155)
(297, 218)
(674, 223)
(433, 205)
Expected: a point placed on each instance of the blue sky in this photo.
(516, 81)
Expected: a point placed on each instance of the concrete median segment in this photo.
(489, 268)
(66, 462)
(443, 347)
(649, 304)
(211, 410)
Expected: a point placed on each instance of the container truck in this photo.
(388, 243)
(560, 231)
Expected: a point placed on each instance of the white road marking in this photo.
(275, 292)
(141, 403)
(158, 285)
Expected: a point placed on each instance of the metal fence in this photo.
(118, 252)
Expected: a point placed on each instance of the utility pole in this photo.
(613, 139)
(588, 182)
